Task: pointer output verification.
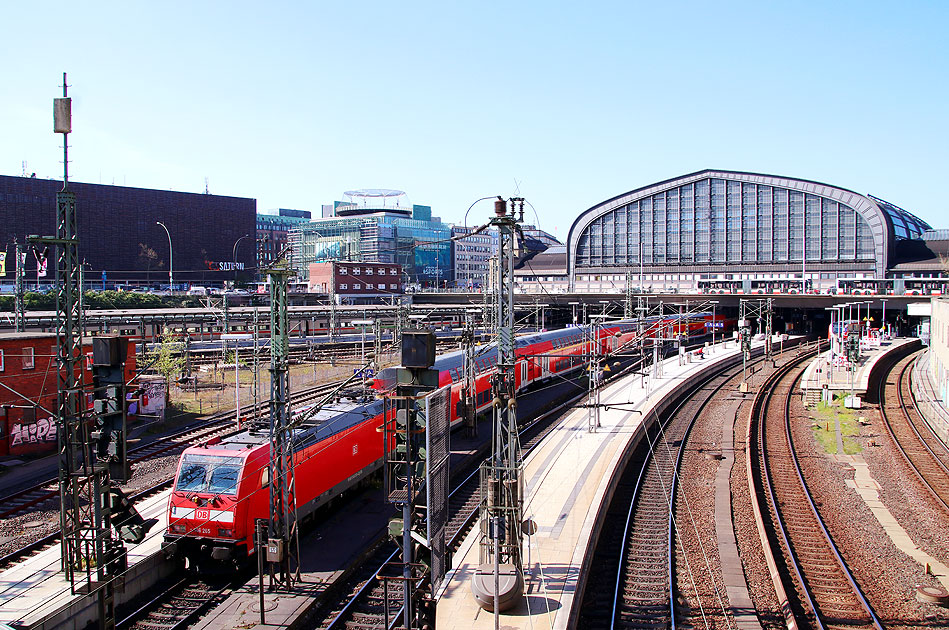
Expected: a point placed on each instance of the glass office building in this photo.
(733, 226)
(372, 232)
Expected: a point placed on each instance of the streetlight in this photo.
(714, 304)
(171, 259)
(832, 337)
(883, 322)
(234, 256)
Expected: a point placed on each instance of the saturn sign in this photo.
(224, 266)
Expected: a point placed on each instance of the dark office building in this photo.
(119, 236)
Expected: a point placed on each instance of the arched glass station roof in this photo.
(743, 221)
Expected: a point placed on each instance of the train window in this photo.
(209, 473)
(265, 477)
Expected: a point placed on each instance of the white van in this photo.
(198, 291)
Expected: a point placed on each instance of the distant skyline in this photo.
(566, 104)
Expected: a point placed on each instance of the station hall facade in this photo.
(729, 230)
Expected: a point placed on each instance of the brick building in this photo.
(355, 280)
(28, 373)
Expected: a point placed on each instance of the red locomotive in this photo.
(221, 487)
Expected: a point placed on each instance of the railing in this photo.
(930, 406)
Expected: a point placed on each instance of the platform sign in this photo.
(714, 324)
(436, 481)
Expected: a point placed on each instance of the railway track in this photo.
(373, 600)
(340, 351)
(925, 454)
(178, 605)
(367, 606)
(53, 538)
(46, 493)
(632, 583)
(815, 586)
(40, 544)
(363, 600)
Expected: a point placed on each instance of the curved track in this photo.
(925, 454)
(632, 581)
(820, 590)
(366, 607)
(644, 595)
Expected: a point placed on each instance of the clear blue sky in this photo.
(294, 103)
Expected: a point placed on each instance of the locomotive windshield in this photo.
(209, 473)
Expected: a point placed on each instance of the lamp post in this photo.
(831, 337)
(883, 321)
(234, 256)
(714, 304)
(171, 259)
(868, 319)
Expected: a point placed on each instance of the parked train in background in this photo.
(842, 286)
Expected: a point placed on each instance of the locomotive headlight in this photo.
(225, 532)
(177, 528)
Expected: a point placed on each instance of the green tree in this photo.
(168, 358)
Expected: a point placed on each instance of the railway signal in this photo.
(407, 437)
(498, 582)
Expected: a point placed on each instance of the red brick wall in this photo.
(27, 414)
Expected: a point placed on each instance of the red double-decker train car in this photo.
(222, 487)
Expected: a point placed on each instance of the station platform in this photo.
(34, 594)
(822, 374)
(568, 478)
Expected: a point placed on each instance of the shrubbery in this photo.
(46, 301)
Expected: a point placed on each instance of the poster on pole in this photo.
(153, 397)
(40, 263)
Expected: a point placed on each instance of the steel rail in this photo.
(767, 395)
(340, 619)
(202, 429)
(905, 373)
(724, 374)
(170, 594)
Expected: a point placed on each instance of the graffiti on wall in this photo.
(40, 431)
